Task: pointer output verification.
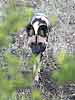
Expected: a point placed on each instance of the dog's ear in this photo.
(28, 27)
(21, 38)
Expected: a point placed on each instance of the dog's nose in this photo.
(38, 47)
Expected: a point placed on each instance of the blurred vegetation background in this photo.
(14, 18)
(66, 71)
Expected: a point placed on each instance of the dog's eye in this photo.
(30, 30)
(42, 31)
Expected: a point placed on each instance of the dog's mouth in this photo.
(38, 48)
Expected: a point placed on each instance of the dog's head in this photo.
(37, 32)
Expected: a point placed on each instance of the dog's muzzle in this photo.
(38, 48)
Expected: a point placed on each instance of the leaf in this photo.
(36, 94)
(60, 57)
(53, 20)
(67, 69)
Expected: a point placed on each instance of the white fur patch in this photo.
(36, 26)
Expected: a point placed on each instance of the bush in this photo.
(67, 68)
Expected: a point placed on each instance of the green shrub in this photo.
(67, 68)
